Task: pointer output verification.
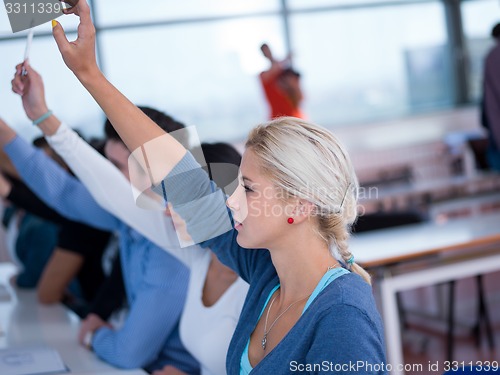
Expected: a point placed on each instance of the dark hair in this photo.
(495, 32)
(40, 142)
(217, 157)
(290, 72)
(163, 120)
(98, 145)
(220, 153)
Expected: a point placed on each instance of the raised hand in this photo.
(79, 55)
(31, 89)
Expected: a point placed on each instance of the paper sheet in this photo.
(31, 361)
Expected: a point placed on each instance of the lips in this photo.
(237, 225)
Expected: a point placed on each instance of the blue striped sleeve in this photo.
(153, 317)
(56, 187)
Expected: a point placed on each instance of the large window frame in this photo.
(455, 33)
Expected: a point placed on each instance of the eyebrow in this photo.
(246, 178)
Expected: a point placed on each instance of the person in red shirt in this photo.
(281, 84)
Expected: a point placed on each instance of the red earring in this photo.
(290, 220)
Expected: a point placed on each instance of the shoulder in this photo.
(348, 300)
(347, 318)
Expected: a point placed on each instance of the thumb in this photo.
(32, 73)
(60, 37)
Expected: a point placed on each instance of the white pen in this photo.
(27, 50)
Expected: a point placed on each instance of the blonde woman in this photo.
(309, 308)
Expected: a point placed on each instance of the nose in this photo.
(233, 201)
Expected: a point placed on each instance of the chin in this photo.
(244, 242)
(248, 243)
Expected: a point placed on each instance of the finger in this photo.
(29, 70)
(19, 68)
(24, 69)
(86, 28)
(17, 86)
(83, 10)
(69, 6)
(60, 37)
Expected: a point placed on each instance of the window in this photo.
(113, 12)
(361, 63)
(302, 4)
(361, 60)
(204, 74)
(64, 94)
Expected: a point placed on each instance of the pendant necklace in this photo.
(266, 331)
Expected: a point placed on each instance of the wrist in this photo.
(87, 339)
(42, 118)
(90, 76)
(37, 113)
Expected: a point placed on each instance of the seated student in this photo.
(308, 302)
(72, 272)
(215, 293)
(32, 240)
(149, 337)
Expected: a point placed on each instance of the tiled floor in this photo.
(425, 340)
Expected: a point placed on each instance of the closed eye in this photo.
(247, 188)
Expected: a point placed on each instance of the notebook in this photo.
(31, 361)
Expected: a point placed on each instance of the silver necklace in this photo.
(332, 267)
(266, 331)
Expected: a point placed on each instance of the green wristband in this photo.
(43, 117)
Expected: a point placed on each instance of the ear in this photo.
(303, 210)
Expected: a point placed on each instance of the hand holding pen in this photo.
(31, 89)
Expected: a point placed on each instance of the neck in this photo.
(300, 265)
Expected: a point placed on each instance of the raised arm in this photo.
(156, 151)
(165, 159)
(103, 180)
(133, 126)
(113, 192)
(17, 192)
(52, 184)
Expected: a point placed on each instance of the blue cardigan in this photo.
(340, 332)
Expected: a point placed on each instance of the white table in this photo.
(458, 249)
(24, 322)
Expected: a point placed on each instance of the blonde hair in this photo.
(308, 162)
